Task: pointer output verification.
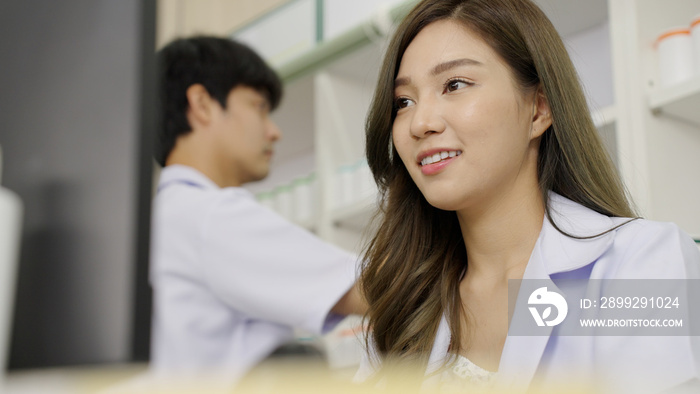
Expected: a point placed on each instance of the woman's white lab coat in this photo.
(640, 249)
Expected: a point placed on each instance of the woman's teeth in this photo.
(440, 156)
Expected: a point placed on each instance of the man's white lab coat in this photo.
(232, 279)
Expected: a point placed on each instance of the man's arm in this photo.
(352, 303)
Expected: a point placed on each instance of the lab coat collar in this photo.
(175, 173)
(553, 253)
(561, 253)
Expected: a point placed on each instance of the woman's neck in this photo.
(500, 236)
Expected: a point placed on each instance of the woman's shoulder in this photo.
(649, 249)
(629, 226)
(645, 231)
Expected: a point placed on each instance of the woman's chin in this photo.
(444, 202)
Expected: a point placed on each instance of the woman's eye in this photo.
(455, 84)
(402, 102)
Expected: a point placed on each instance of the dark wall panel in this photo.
(76, 116)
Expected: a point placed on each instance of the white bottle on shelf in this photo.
(675, 53)
(695, 36)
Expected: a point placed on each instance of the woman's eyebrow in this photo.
(440, 68)
(401, 81)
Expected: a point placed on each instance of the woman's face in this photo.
(464, 130)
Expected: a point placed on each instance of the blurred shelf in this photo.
(308, 224)
(327, 51)
(357, 215)
(680, 101)
(569, 17)
(604, 117)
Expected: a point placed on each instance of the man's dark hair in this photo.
(218, 64)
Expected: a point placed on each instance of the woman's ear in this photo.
(199, 106)
(541, 115)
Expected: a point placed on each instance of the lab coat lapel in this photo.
(554, 253)
(522, 354)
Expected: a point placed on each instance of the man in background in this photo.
(231, 278)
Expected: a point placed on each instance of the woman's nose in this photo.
(427, 119)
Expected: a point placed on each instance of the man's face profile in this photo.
(246, 134)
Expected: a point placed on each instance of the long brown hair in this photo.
(415, 261)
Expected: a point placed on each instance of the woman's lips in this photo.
(434, 161)
(434, 168)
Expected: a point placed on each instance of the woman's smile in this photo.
(435, 160)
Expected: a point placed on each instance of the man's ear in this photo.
(541, 114)
(199, 106)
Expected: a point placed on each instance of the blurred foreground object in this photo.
(10, 227)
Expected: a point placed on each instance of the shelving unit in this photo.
(681, 101)
(356, 215)
(604, 117)
(605, 120)
(658, 129)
